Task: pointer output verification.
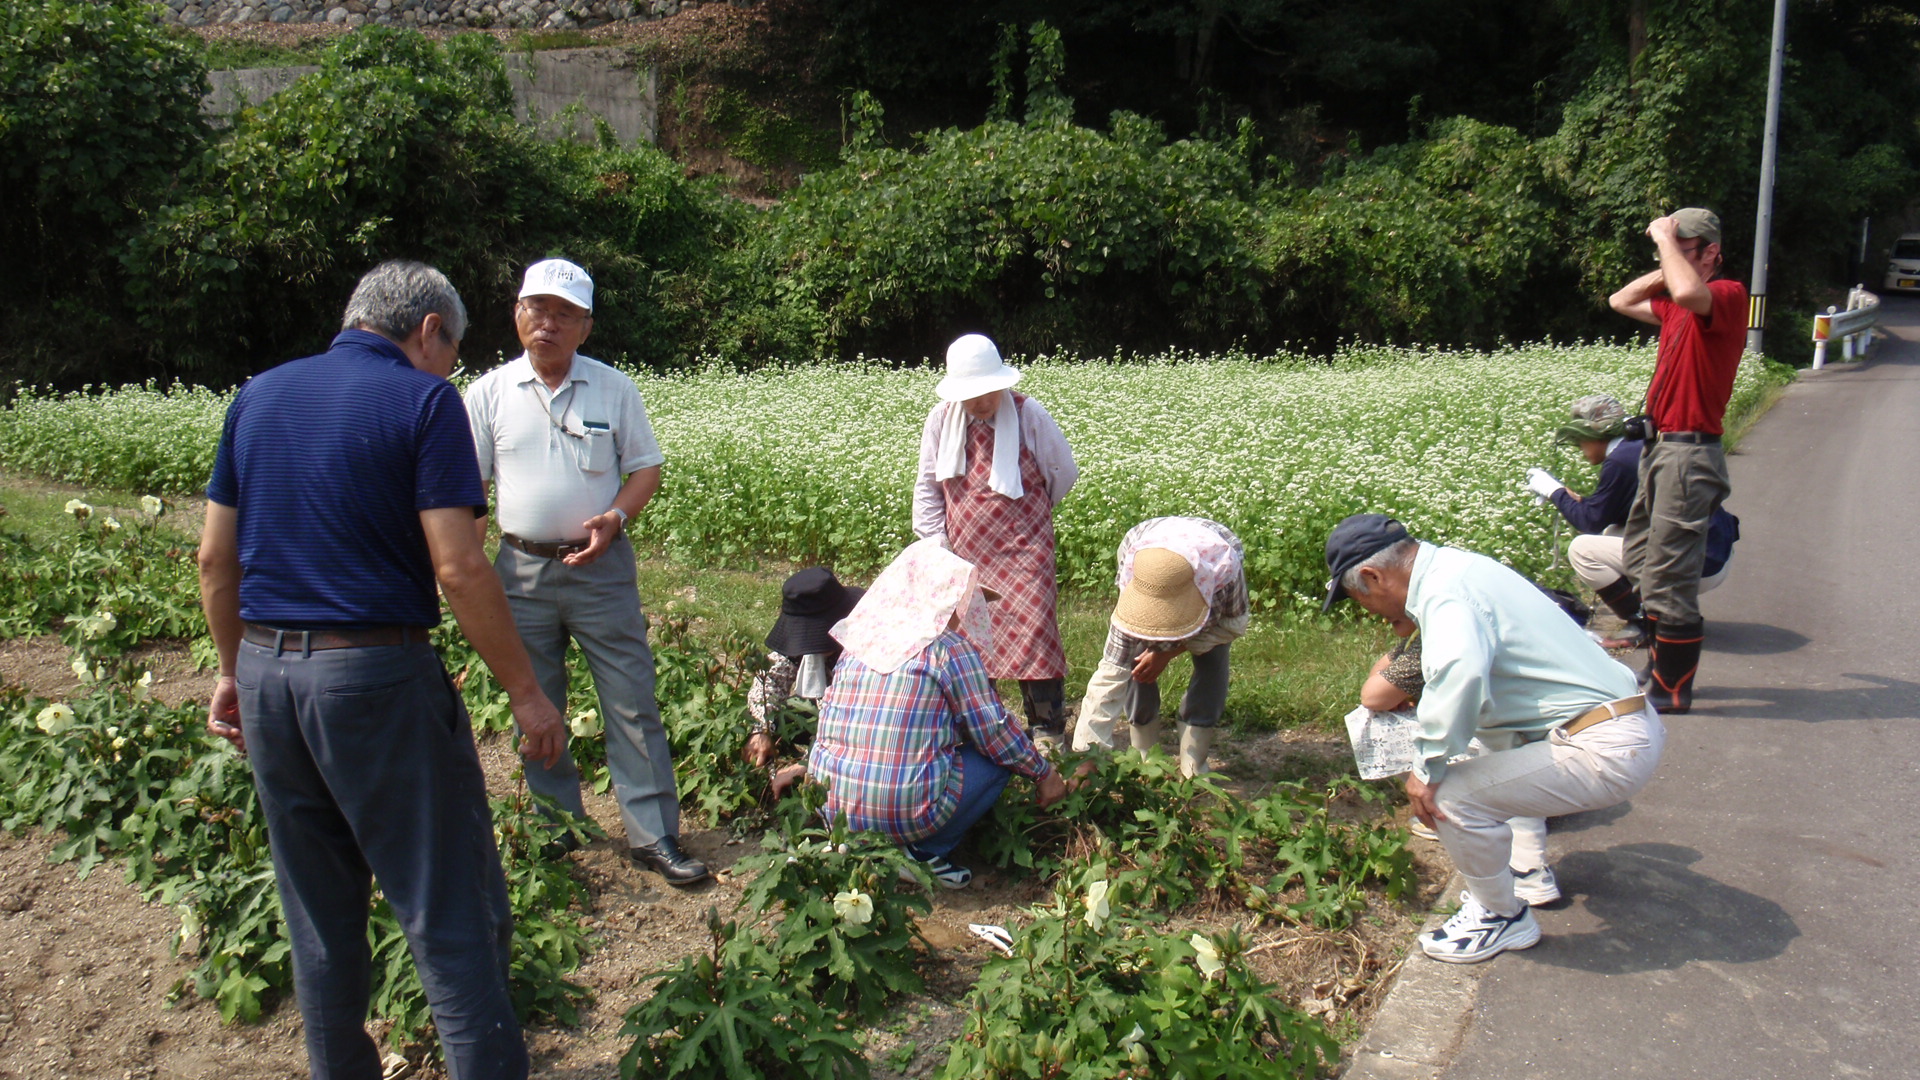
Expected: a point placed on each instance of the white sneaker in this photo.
(1475, 934)
(1536, 886)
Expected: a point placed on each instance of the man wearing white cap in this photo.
(993, 465)
(1183, 589)
(556, 432)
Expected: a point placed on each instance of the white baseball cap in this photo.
(974, 368)
(558, 277)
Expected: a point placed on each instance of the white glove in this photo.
(1542, 484)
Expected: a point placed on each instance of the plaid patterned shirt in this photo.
(888, 745)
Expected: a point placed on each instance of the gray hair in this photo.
(394, 298)
(1397, 556)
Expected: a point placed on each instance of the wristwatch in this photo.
(622, 513)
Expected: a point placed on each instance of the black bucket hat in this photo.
(810, 603)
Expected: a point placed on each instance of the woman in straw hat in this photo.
(993, 465)
(801, 653)
(1183, 589)
(913, 740)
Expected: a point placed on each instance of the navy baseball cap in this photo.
(1352, 542)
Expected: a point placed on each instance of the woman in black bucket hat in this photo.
(801, 653)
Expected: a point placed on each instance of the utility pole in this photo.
(1763, 217)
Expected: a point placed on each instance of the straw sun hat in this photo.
(1161, 603)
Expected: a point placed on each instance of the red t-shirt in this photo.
(1693, 377)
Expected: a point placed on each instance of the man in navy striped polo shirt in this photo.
(345, 486)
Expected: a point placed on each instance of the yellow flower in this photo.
(1207, 955)
(1130, 1042)
(143, 689)
(81, 671)
(152, 506)
(80, 511)
(586, 725)
(854, 907)
(111, 523)
(55, 718)
(1097, 909)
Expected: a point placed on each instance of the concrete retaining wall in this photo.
(558, 92)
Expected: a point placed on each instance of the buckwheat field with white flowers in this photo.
(817, 463)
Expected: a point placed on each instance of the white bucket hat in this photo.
(974, 368)
(558, 277)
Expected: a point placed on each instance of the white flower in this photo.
(586, 725)
(1207, 955)
(119, 742)
(1097, 909)
(80, 511)
(854, 907)
(152, 506)
(143, 689)
(81, 671)
(1130, 1042)
(98, 626)
(55, 718)
(111, 524)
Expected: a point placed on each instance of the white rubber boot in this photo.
(1145, 736)
(1194, 744)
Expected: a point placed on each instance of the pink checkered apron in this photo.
(1011, 541)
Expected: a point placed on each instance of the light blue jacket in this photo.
(1501, 660)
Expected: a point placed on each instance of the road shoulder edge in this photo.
(1420, 1025)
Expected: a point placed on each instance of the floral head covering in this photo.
(910, 603)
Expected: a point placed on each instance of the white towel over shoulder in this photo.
(950, 460)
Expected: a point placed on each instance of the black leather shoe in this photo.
(665, 858)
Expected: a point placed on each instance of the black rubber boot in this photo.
(1624, 600)
(1676, 656)
(1045, 701)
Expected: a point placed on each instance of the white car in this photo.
(1903, 269)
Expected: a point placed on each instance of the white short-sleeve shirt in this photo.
(556, 457)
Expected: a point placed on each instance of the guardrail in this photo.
(1860, 317)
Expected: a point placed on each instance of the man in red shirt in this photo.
(1683, 472)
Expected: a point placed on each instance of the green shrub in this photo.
(99, 112)
(838, 924)
(730, 1012)
(400, 147)
(1090, 993)
(1046, 233)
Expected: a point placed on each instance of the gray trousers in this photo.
(1681, 485)
(598, 606)
(1204, 701)
(365, 765)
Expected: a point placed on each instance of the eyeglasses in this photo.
(558, 318)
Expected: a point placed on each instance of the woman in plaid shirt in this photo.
(913, 740)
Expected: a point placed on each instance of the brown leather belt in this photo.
(543, 551)
(1608, 711)
(304, 641)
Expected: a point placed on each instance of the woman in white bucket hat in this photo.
(993, 465)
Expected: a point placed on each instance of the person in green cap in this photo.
(1683, 474)
(1598, 427)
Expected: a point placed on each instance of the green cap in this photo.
(1596, 417)
(1694, 221)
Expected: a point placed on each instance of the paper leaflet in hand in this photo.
(1384, 743)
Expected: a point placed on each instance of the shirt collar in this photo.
(1422, 561)
(523, 372)
(1614, 444)
(366, 341)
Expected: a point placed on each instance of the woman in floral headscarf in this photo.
(913, 741)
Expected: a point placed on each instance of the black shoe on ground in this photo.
(665, 858)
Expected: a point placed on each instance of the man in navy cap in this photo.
(1563, 727)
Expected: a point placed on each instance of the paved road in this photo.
(1755, 913)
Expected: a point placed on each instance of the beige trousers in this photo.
(1479, 798)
